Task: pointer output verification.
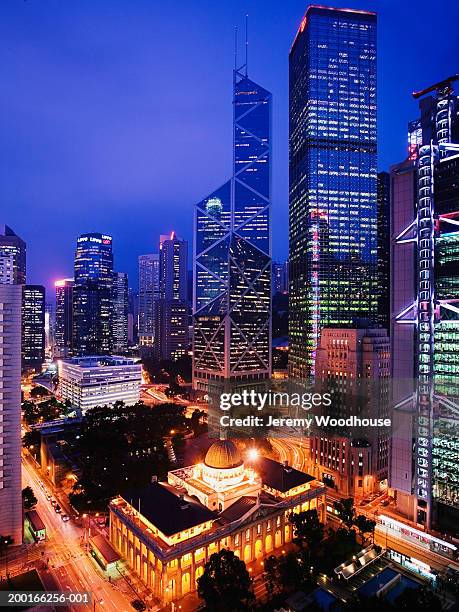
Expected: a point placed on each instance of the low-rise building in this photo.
(99, 380)
(168, 531)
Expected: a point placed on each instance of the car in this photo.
(65, 517)
(48, 497)
(53, 502)
(57, 509)
(385, 502)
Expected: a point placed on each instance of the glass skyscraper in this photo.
(148, 294)
(64, 316)
(33, 326)
(333, 203)
(232, 253)
(92, 295)
(120, 312)
(12, 248)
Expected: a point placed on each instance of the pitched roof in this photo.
(278, 476)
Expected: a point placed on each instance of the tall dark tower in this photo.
(383, 315)
(12, 248)
(92, 295)
(64, 317)
(332, 178)
(232, 253)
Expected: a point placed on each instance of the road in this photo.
(71, 565)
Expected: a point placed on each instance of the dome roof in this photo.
(223, 454)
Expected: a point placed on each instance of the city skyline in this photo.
(82, 198)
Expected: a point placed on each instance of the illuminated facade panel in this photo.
(333, 203)
(33, 326)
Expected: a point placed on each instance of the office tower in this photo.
(6, 270)
(424, 313)
(232, 253)
(50, 321)
(333, 203)
(279, 279)
(286, 276)
(10, 412)
(92, 295)
(120, 312)
(347, 359)
(12, 246)
(383, 272)
(148, 295)
(171, 312)
(33, 326)
(64, 317)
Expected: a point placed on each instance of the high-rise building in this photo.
(333, 203)
(232, 253)
(33, 326)
(64, 317)
(10, 412)
(13, 246)
(279, 277)
(148, 295)
(50, 322)
(171, 312)
(424, 313)
(346, 359)
(120, 312)
(6, 270)
(383, 272)
(92, 295)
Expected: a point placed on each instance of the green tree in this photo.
(271, 575)
(31, 438)
(225, 584)
(422, 598)
(308, 531)
(364, 525)
(346, 511)
(28, 498)
(39, 392)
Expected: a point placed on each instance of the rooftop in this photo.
(99, 361)
(278, 476)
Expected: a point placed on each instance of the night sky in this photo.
(116, 114)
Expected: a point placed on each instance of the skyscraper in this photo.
(333, 204)
(92, 295)
(171, 310)
(279, 277)
(64, 317)
(33, 326)
(232, 253)
(120, 312)
(148, 294)
(10, 412)
(424, 312)
(13, 246)
(383, 272)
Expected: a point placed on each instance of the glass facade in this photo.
(120, 312)
(33, 326)
(148, 292)
(13, 253)
(333, 201)
(64, 315)
(92, 295)
(232, 252)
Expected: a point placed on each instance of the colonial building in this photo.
(168, 531)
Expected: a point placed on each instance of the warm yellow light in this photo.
(253, 454)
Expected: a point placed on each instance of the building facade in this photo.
(167, 532)
(120, 302)
(92, 381)
(11, 246)
(279, 277)
(148, 295)
(63, 337)
(232, 254)
(353, 364)
(33, 326)
(333, 202)
(424, 312)
(383, 271)
(10, 412)
(93, 295)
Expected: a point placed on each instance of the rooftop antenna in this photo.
(235, 48)
(246, 43)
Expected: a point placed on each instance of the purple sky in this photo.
(116, 114)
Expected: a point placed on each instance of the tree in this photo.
(421, 598)
(271, 575)
(39, 392)
(225, 584)
(346, 511)
(28, 498)
(364, 525)
(307, 529)
(31, 438)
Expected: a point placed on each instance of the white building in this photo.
(10, 412)
(99, 380)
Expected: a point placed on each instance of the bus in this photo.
(36, 526)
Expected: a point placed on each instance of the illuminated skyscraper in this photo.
(333, 204)
(64, 317)
(148, 294)
(232, 253)
(92, 295)
(13, 248)
(383, 314)
(33, 326)
(425, 313)
(120, 312)
(10, 412)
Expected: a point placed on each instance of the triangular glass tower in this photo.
(232, 253)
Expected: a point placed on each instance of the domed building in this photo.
(167, 531)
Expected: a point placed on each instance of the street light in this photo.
(253, 454)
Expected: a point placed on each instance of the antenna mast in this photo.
(246, 44)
